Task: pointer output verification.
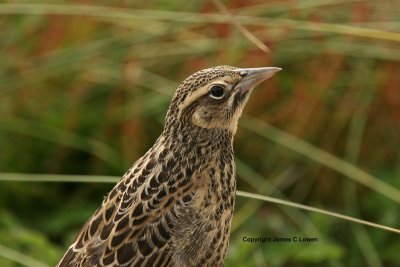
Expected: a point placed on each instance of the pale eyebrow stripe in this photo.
(202, 91)
(189, 100)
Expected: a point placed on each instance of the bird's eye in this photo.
(217, 92)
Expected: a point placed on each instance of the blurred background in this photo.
(85, 86)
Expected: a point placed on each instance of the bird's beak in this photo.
(254, 76)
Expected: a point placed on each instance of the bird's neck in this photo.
(199, 140)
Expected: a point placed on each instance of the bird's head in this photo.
(214, 98)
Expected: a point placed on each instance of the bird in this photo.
(174, 206)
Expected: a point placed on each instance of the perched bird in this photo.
(174, 206)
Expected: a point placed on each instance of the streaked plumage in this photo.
(174, 206)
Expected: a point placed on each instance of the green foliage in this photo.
(15, 236)
(84, 90)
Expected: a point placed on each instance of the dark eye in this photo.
(217, 92)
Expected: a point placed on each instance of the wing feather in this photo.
(131, 226)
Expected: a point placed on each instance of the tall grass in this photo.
(84, 90)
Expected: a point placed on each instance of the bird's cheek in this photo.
(210, 118)
(202, 119)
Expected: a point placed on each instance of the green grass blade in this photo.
(113, 179)
(20, 258)
(321, 211)
(58, 178)
(263, 185)
(125, 13)
(358, 122)
(75, 140)
(300, 146)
